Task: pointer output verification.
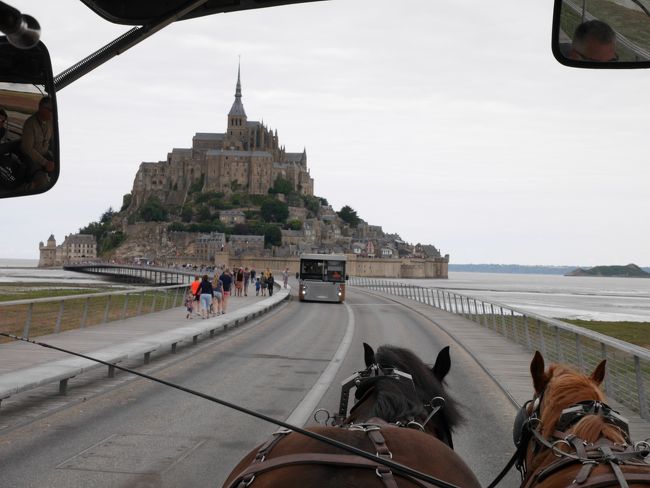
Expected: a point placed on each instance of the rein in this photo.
(398, 467)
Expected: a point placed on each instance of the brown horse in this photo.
(396, 418)
(569, 437)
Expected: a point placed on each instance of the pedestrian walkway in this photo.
(24, 366)
(505, 361)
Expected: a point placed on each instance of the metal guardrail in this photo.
(37, 317)
(628, 366)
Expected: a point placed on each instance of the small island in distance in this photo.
(629, 271)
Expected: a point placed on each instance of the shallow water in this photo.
(587, 298)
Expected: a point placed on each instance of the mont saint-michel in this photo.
(240, 196)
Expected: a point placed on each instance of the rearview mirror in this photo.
(602, 33)
(29, 135)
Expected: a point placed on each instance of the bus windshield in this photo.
(322, 270)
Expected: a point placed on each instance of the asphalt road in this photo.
(133, 433)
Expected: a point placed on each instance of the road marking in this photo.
(302, 413)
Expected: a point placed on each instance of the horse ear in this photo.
(368, 355)
(443, 364)
(599, 373)
(540, 378)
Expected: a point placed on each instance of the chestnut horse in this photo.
(396, 418)
(569, 437)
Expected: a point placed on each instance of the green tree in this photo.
(281, 185)
(311, 203)
(153, 211)
(272, 236)
(203, 214)
(187, 214)
(111, 241)
(349, 215)
(274, 211)
(295, 224)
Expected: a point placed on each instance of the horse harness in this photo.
(589, 455)
(364, 382)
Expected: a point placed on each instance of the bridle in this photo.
(527, 429)
(365, 380)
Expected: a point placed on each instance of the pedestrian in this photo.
(206, 294)
(247, 278)
(253, 274)
(285, 277)
(217, 286)
(195, 289)
(270, 281)
(239, 281)
(258, 285)
(264, 284)
(189, 303)
(226, 279)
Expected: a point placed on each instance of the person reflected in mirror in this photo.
(35, 144)
(594, 41)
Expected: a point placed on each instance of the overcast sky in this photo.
(446, 121)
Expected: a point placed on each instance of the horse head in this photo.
(399, 388)
(572, 402)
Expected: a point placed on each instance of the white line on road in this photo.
(304, 410)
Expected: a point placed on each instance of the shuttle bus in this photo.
(322, 278)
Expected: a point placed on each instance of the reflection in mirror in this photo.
(602, 33)
(29, 161)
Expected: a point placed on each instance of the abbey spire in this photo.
(237, 109)
(237, 135)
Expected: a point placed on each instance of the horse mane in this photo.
(397, 400)
(567, 387)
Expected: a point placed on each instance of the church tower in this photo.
(237, 133)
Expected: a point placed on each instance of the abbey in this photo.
(247, 157)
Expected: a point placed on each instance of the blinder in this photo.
(575, 413)
(521, 427)
(363, 381)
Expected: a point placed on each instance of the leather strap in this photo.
(341, 460)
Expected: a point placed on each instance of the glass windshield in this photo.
(311, 269)
(316, 269)
(335, 270)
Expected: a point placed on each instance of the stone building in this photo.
(75, 248)
(247, 158)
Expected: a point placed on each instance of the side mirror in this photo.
(602, 34)
(29, 133)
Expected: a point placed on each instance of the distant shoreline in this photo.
(515, 269)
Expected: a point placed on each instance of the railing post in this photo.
(542, 342)
(558, 345)
(125, 306)
(438, 295)
(178, 289)
(165, 293)
(59, 317)
(581, 359)
(85, 314)
(475, 310)
(640, 388)
(107, 308)
(141, 303)
(608, 376)
(527, 333)
(515, 334)
(484, 321)
(28, 320)
(494, 317)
